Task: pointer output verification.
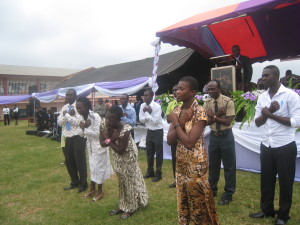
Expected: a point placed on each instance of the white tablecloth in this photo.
(247, 145)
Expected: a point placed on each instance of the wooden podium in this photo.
(225, 72)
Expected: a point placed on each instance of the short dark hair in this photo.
(116, 110)
(192, 82)
(274, 69)
(149, 91)
(218, 83)
(86, 102)
(288, 72)
(73, 90)
(235, 46)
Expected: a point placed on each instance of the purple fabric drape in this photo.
(121, 84)
(13, 99)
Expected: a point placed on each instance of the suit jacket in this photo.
(247, 68)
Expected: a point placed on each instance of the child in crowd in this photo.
(132, 188)
(99, 162)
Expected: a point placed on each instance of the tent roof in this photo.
(130, 70)
(264, 29)
(35, 71)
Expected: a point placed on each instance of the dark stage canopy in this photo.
(129, 70)
(264, 29)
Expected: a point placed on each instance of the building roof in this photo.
(36, 71)
(129, 70)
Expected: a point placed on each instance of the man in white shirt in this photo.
(74, 150)
(278, 109)
(150, 115)
(16, 114)
(6, 116)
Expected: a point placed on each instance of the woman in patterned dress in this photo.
(195, 201)
(132, 188)
(99, 162)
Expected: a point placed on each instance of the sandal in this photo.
(98, 197)
(89, 194)
(125, 215)
(116, 211)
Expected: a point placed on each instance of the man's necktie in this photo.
(68, 124)
(218, 125)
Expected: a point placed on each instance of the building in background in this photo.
(23, 80)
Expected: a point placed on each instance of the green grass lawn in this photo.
(32, 178)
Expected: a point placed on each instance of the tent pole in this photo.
(33, 110)
(93, 97)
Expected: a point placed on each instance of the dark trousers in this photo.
(75, 157)
(173, 152)
(16, 116)
(154, 145)
(281, 161)
(222, 148)
(6, 119)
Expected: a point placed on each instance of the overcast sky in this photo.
(92, 33)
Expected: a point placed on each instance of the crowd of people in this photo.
(196, 171)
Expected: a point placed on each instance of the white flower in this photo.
(206, 97)
(257, 93)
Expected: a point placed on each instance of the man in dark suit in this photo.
(243, 66)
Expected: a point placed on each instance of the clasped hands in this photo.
(267, 112)
(113, 135)
(185, 116)
(147, 109)
(211, 115)
(71, 112)
(85, 124)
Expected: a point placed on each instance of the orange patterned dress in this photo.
(195, 201)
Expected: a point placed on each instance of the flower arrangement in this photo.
(246, 102)
(201, 98)
(164, 100)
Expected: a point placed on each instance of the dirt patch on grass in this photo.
(29, 211)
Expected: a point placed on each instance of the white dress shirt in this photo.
(152, 121)
(6, 111)
(74, 121)
(277, 134)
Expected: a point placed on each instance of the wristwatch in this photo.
(176, 125)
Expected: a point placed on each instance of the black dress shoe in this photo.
(70, 187)
(173, 185)
(81, 189)
(280, 222)
(149, 175)
(156, 179)
(261, 215)
(224, 202)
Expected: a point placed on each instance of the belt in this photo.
(219, 132)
